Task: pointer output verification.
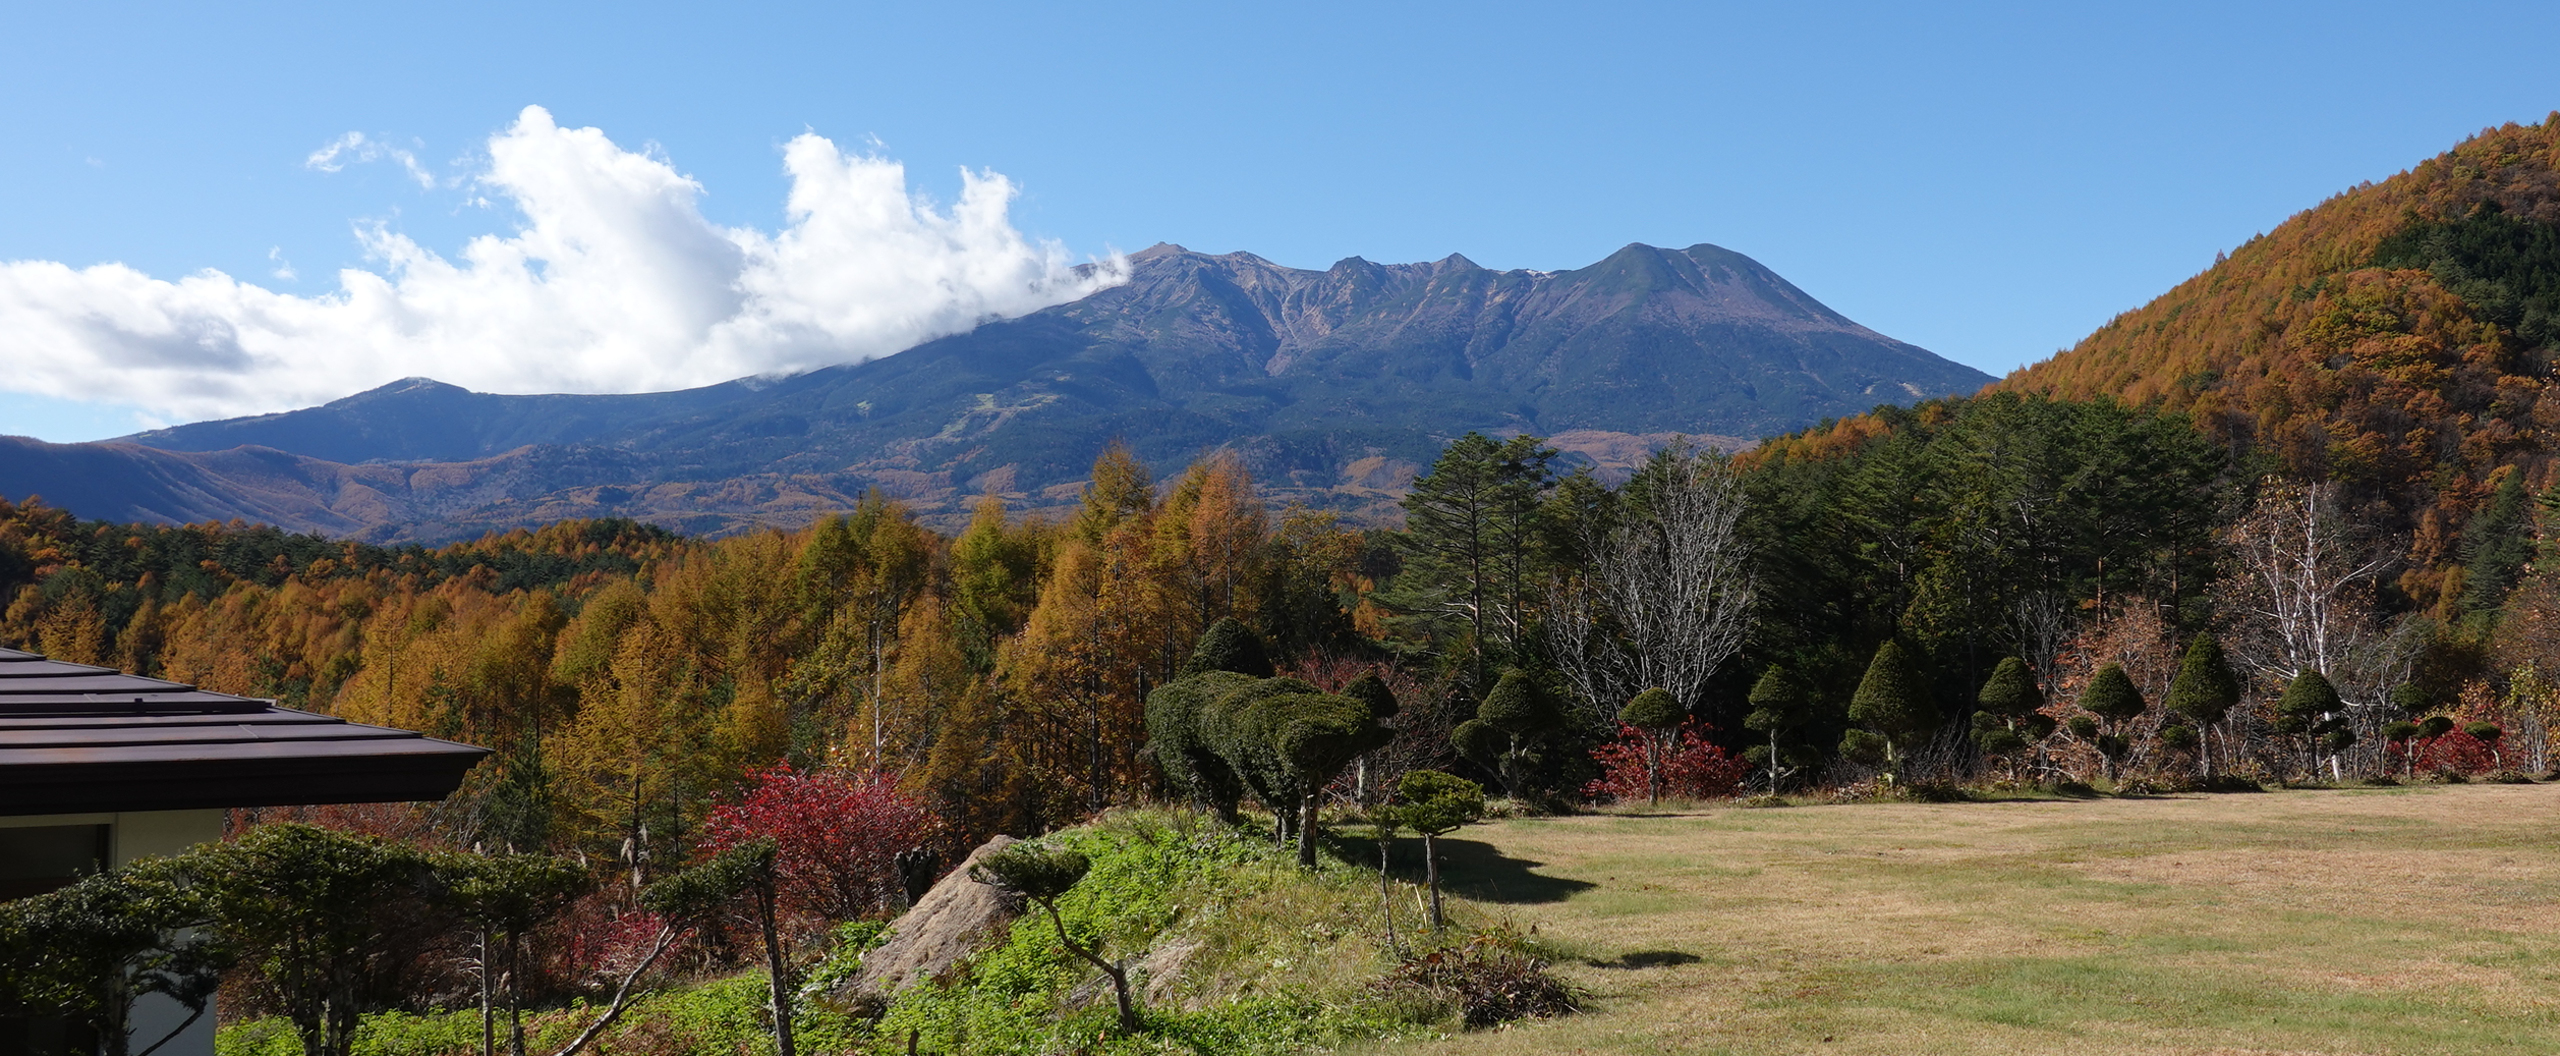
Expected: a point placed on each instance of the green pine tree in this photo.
(2012, 712)
(1891, 703)
(2112, 697)
(1658, 716)
(1780, 707)
(2310, 709)
(1509, 730)
(2204, 691)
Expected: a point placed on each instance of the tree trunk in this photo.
(115, 1035)
(1431, 876)
(1119, 977)
(1386, 895)
(488, 1009)
(1307, 831)
(1773, 762)
(515, 994)
(1653, 767)
(779, 972)
(667, 935)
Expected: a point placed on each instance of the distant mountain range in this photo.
(1337, 386)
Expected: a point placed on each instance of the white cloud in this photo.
(613, 282)
(355, 147)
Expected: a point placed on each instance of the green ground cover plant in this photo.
(1229, 945)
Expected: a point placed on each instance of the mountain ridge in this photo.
(1328, 382)
(2399, 339)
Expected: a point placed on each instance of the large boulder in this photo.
(958, 917)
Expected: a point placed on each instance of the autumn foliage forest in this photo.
(2288, 523)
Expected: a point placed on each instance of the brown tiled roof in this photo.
(81, 739)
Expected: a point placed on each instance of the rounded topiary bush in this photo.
(1653, 709)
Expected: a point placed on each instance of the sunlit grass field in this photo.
(2393, 920)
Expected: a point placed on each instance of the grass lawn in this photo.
(2392, 920)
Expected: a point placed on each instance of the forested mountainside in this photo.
(632, 677)
(1334, 387)
(2398, 339)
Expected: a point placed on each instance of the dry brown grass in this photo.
(2402, 920)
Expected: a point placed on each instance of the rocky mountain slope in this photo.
(1336, 386)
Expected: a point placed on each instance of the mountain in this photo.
(421, 419)
(2398, 338)
(1335, 385)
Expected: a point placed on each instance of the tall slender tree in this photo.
(2204, 691)
(1472, 536)
(1892, 704)
(1780, 709)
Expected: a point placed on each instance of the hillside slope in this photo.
(1335, 385)
(2398, 338)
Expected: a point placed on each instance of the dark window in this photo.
(38, 859)
(33, 861)
(45, 1036)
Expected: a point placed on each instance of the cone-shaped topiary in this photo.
(1890, 701)
(2011, 691)
(1779, 707)
(1518, 706)
(2011, 715)
(1653, 709)
(2112, 696)
(1777, 701)
(2204, 689)
(1509, 726)
(2310, 709)
(1229, 645)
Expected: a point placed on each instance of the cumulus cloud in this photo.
(613, 282)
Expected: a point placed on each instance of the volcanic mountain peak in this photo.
(1327, 382)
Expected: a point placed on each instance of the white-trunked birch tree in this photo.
(1667, 594)
(2299, 597)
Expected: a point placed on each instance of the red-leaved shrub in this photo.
(2457, 751)
(1692, 769)
(839, 834)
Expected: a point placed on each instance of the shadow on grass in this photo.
(1471, 868)
(1476, 870)
(1648, 959)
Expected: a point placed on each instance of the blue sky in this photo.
(1987, 181)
